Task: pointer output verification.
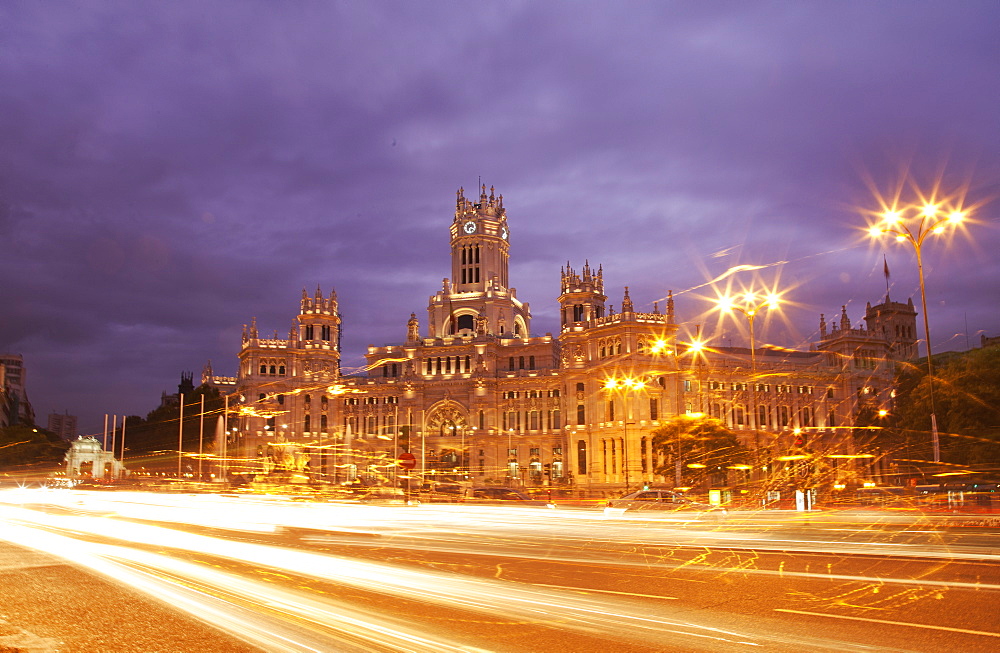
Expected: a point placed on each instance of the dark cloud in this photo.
(168, 172)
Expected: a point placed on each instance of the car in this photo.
(502, 496)
(662, 501)
(441, 492)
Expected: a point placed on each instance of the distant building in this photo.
(989, 342)
(185, 387)
(14, 405)
(477, 395)
(63, 425)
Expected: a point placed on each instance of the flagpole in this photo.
(885, 269)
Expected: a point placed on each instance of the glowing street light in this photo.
(913, 224)
(626, 385)
(750, 304)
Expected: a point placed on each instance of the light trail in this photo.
(495, 598)
(891, 623)
(357, 631)
(458, 533)
(456, 523)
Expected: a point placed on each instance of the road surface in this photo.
(173, 572)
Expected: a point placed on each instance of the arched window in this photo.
(520, 363)
(307, 423)
(466, 322)
(281, 370)
(512, 364)
(531, 362)
(271, 369)
(263, 369)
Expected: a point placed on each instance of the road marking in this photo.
(894, 623)
(587, 589)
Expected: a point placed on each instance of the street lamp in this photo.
(626, 385)
(913, 224)
(750, 305)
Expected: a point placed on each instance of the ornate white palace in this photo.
(474, 393)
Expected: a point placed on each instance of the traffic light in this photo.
(548, 469)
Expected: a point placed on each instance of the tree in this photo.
(966, 403)
(23, 444)
(158, 431)
(697, 441)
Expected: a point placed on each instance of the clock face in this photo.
(469, 227)
(503, 232)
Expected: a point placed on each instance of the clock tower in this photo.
(479, 286)
(479, 243)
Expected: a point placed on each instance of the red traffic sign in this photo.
(407, 460)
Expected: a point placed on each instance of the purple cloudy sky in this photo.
(170, 170)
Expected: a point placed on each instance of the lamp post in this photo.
(695, 349)
(913, 224)
(627, 385)
(750, 304)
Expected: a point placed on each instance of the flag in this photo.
(885, 268)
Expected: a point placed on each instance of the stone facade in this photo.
(471, 393)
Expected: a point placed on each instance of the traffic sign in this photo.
(407, 460)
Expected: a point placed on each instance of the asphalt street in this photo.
(116, 571)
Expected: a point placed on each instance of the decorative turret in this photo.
(845, 323)
(670, 306)
(318, 320)
(896, 322)
(582, 298)
(412, 328)
(822, 325)
(627, 303)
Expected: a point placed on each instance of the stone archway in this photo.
(447, 425)
(446, 418)
(87, 457)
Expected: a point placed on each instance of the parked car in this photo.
(663, 501)
(441, 492)
(502, 496)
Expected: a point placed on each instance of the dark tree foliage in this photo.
(159, 430)
(24, 444)
(701, 440)
(966, 402)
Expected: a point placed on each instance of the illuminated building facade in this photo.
(471, 393)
